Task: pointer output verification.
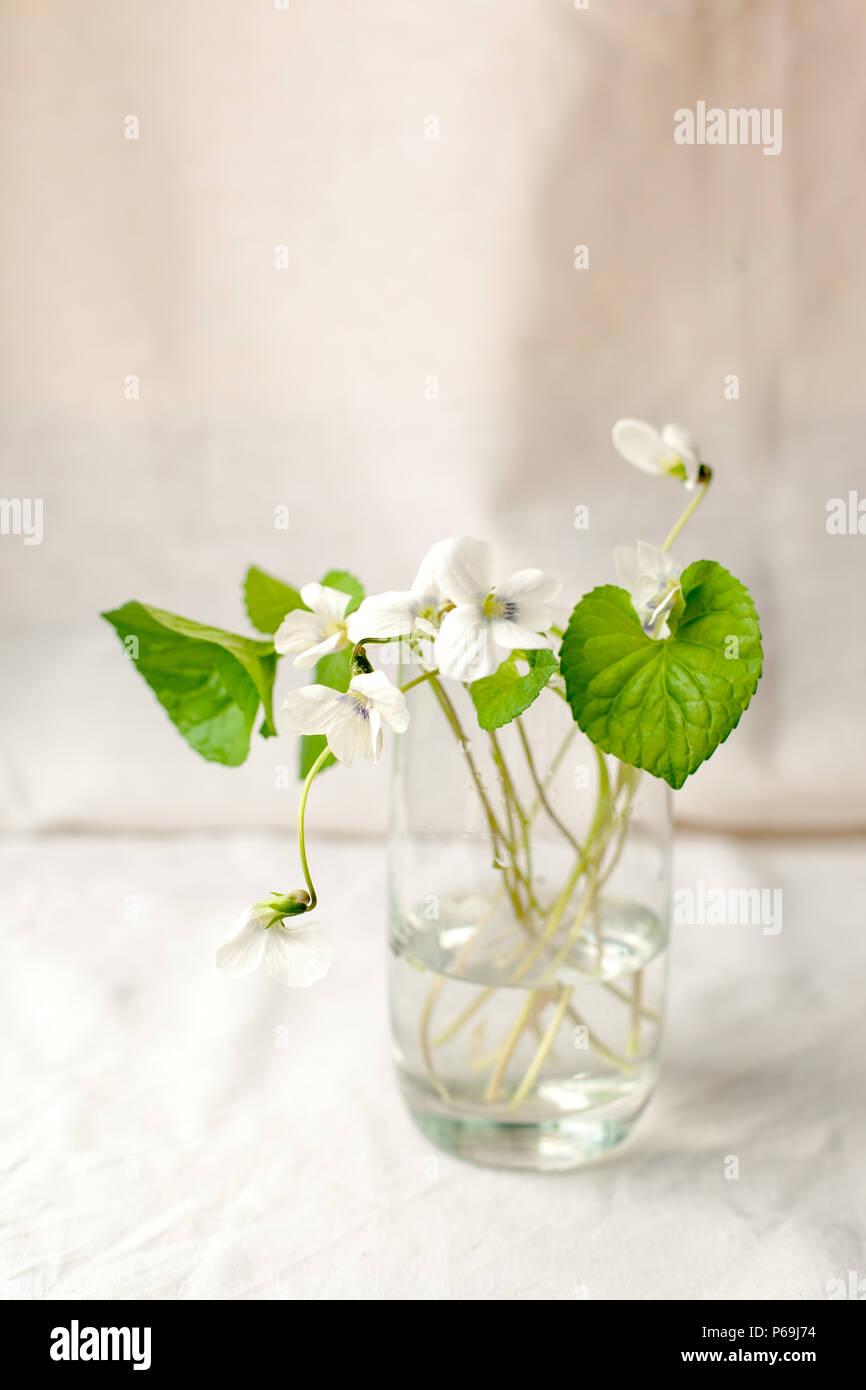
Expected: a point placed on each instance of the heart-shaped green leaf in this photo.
(503, 696)
(664, 706)
(268, 600)
(211, 682)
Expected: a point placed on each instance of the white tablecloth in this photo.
(170, 1133)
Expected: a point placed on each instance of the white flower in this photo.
(399, 613)
(655, 451)
(295, 955)
(652, 579)
(312, 635)
(486, 622)
(351, 720)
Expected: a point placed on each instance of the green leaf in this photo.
(664, 706)
(503, 696)
(268, 600)
(333, 670)
(211, 682)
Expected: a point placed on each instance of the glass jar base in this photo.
(552, 1145)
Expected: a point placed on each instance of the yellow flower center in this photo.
(493, 607)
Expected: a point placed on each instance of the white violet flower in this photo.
(399, 613)
(657, 451)
(295, 955)
(311, 635)
(352, 720)
(486, 622)
(652, 578)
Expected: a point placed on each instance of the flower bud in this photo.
(360, 663)
(287, 904)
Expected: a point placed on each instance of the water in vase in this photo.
(508, 1036)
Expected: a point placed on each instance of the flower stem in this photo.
(510, 1044)
(512, 800)
(543, 1049)
(424, 1037)
(463, 1017)
(633, 1043)
(690, 509)
(597, 878)
(583, 860)
(451, 715)
(302, 806)
(427, 676)
(500, 840)
(539, 787)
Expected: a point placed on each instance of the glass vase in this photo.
(528, 929)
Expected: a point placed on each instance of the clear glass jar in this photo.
(528, 927)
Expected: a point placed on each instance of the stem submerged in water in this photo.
(509, 821)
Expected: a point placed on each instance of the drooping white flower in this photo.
(401, 612)
(310, 635)
(657, 451)
(352, 720)
(486, 622)
(652, 578)
(295, 955)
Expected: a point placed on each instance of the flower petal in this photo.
(627, 568)
(386, 698)
(528, 584)
(677, 437)
(297, 956)
(425, 586)
(654, 561)
(463, 568)
(638, 443)
(464, 647)
(330, 604)
(348, 731)
(240, 951)
(383, 615)
(306, 711)
(651, 576)
(375, 733)
(305, 660)
(298, 631)
(513, 635)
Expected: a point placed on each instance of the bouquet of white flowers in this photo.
(656, 674)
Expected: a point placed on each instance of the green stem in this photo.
(451, 715)
(690, 509)
(601, 830)
(512, 800)
(586, 904)
(539, 788)
(427, 676)
(498, 837)
(633, 1043)
(424, 1038)
(597, 878)
(544, 1047)
(302, 806)
(598, 1046)
(559, 907)
(463, 1017)
(510, 1044)
(627, 999)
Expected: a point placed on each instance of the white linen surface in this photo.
(174, 1134)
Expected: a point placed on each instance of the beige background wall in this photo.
(411, 258)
